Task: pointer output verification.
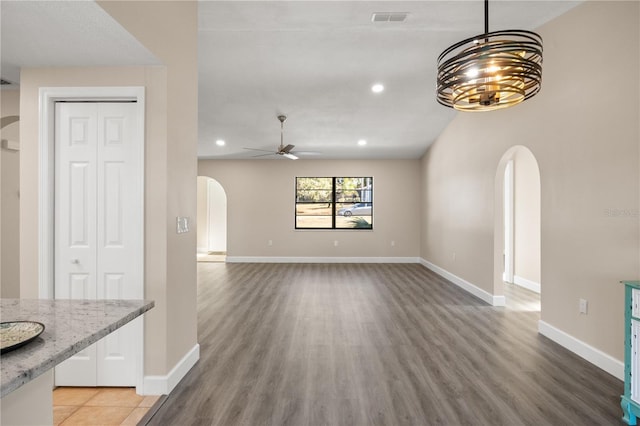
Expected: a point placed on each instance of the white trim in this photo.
(595, 356)
(465, 285)
(528, 284)
(47, 98)
(45, 195)
(163, 385)
(274, 259)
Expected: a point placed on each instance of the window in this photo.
(334, 203)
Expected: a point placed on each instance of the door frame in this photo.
(48, 96)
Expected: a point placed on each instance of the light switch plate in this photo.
(583, 306)
(182, 224)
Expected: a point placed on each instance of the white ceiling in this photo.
(63, 34)
(313, 61)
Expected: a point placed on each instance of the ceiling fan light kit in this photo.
(490, 71)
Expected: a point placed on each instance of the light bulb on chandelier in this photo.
(490, 71)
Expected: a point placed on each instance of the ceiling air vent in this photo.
(389, 16)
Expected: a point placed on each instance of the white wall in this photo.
(202, 229)
(217, 228)
(527, 218)
(212, 216)
(261, 207)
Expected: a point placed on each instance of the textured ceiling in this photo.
(62, 34)
(313, 61)
(316, 61)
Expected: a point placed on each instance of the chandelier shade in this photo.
(490, 71)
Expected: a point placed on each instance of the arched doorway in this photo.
(517, 225)
(211, 220)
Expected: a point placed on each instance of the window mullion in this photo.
(333, 203)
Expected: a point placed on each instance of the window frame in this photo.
(333, 202)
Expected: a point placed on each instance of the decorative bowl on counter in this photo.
(14, 334)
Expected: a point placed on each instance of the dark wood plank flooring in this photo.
(376, 344)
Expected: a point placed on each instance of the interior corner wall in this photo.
(261, 207)
(169, 29)
(583, 130)
(10, 204)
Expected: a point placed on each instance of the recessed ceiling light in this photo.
(362, 142)
(377, 88)
(220, 142)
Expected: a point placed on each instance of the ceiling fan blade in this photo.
(287, 148)
(264, 155)
(289, 156)
(305, 153)
(255, 149)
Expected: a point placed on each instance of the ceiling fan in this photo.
(283, 150)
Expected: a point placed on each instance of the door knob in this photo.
(75, 261)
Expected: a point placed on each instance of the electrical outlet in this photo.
(583, 306)
(270, 243)
(393, 243)
(335, 243)
(453, 256)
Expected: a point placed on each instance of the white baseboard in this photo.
(275, 259)
(528, 284)
(582, 349)
(465, 285)
(163, 385)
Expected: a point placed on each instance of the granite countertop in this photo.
(70, 326)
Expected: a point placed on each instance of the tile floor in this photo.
(99, 406)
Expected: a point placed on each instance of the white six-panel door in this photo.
(98, 230)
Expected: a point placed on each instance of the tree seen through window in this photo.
(334, 203)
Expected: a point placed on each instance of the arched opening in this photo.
(211, 221)
(517, 229)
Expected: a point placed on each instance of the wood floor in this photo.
(376, 344)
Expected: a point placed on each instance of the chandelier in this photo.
(490, 71)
